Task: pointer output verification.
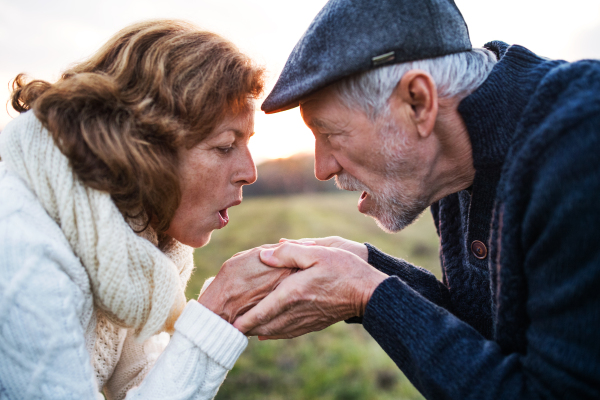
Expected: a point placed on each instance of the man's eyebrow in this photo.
(319, 123)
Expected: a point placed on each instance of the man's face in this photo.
(380, 158)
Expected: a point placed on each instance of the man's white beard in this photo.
(392, 208)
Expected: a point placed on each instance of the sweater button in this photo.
(479, 250)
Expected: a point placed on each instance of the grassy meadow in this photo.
(341, 362)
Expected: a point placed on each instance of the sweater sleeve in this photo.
(196, 361)
(419, 279)
(558, 253)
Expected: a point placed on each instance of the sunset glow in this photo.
(280, 135)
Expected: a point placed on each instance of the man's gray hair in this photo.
(455, 75)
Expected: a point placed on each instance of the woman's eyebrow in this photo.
(240, 134)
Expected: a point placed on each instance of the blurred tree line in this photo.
(288, 176)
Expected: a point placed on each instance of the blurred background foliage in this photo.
(341, 362)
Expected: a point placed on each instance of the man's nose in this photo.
(246, 174)
(326, 166)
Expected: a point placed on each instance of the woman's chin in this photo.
(195, 241)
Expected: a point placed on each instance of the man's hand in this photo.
(331, 285)
(360, 249)
(241, 283)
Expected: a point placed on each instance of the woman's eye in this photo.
(225, 149)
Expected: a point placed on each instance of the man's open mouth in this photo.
(363, 202)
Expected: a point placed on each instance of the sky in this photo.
(42, 38)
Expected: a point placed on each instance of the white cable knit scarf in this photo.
(133, 282)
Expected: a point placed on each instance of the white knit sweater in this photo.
(49, 342)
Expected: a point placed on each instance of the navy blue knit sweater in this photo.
(524, 322)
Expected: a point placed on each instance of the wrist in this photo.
(214, 304)
(368, 289)
(364, 252)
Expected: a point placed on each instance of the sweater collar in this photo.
(492, 112)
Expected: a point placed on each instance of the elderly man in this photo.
(504, 146)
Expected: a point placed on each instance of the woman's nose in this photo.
(246, 174)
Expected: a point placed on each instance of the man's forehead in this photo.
(320, 109)
(315, 119)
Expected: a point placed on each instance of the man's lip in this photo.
(363, 202)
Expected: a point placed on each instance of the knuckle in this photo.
(266, 332)
(297, 296)
(285, 245)
(261, 318)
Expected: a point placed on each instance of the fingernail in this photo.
(266, 254)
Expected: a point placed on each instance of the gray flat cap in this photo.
(351, 36)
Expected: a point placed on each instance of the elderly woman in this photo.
(121, 167)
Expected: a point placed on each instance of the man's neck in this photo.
(453, 170)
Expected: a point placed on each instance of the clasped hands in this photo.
(297, 286)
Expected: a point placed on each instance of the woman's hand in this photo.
(241, 283)
(356, 248)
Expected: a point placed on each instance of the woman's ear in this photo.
(417, 90)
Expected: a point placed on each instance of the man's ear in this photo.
(417, 90)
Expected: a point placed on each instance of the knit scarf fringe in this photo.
(134, 284)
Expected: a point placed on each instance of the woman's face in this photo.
(212, 174)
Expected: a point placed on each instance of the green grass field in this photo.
(341, 362)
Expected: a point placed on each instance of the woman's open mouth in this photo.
(223, 217)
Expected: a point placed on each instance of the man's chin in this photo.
(395, 222)
(387, 228)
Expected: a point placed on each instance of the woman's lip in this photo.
(223, 218)
(235, 203)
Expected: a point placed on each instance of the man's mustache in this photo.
(346, 181)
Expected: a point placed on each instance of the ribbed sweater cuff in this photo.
(387, 264)
(211, 333)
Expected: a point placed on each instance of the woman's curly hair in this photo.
(120, 116)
